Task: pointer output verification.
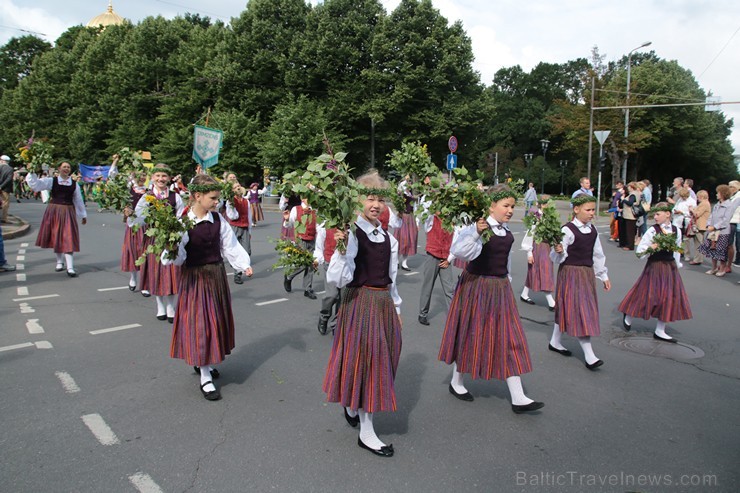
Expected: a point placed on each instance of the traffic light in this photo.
(602, 162)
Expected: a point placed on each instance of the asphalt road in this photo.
(110, 411)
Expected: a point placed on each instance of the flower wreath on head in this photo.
(161, 169)
(503, 194)
(661, 208)
(582, 199)
(378, 192)
(204, 188)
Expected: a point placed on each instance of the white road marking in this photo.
(33, 326)
(20, 267)
(144, 483)
(22, 290)
(320, 292)
(43, 345)
(36, 297)
(114, 329)
(26, 308)
(279, 300)
(113, 289)
(410, 273)
(20, 258)
(16, 346)
(69, 384)
(21, 251)
(101, 430)
(24, 245)
(20, 277)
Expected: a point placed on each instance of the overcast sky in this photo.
(703, 37)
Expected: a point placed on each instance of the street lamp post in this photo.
(627, 111)
(528, 160)
(545, 143)
(563, 164)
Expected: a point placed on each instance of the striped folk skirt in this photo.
(203, 330)
(365, 352)
(407, 236)
(658, 293)
(541, 275)
(59, 229)
(158, 279)
(460, 264)
(576, 305)
(257, 214)
(484, 333)
(133, 246)
(719, 252)
(287, 233)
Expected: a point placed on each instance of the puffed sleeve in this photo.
(79, 204)
(182, 254)
(528, 242)
(318, 250)
(645, 242)
(466, 244)
(231, 249)
(393, 272)
(342, 267)
(38, 184)
(568, 239)
(231, 211)
(599, 259)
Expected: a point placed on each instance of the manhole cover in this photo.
(652, 347)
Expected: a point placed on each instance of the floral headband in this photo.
(205, 188)
(662, 208)
(161, 169)
(503, 194)
(582, 199)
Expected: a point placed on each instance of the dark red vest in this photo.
(438, 240)
(310, 233)
(242, 207)
(372, 261)
(330, 244)
(204, 245)
(662, 256)
(385, 218)
(581, 252)
(494, 258)
(62, 194)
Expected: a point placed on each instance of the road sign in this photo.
(451, 161)
(601, 136)
(452, 144)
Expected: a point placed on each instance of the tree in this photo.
(16, 58)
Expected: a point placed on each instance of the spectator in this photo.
(585, 188)
(647, 193)
(718, 236)
(628, 227)
(4, 265)
(682, 210)
(641, 222)
(6, 186)
(734, 250)
(699, 217)
(617, 194)
(677, 184)
(530, 198)
(689, 185)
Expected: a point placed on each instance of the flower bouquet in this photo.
(164, 227)
(547, 226)
(292, 257)
(227, 191)
(115, 194)
(129, 160)
(666, 242)
(34, 154)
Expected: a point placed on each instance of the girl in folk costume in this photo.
(240, 225)
(483, 335)
(203, 332)
(59, 228)
(325, 246)
(133, 242)
(254, 196)
(540, 273)
(658, 292)
(408, 235)
(580, 257)
(287, 202)
(367, 342)
(156, 278)
(307, 240)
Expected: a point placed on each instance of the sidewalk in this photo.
(14, 228)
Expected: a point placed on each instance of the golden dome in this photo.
(108, 18)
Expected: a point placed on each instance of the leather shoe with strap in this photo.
(532, 406)
(212, 395)
(423, 320)
(385, 451)
(353, 422)
(664, 339)
(564, 352)
(467, 396)
(528, 301)
(594, 365)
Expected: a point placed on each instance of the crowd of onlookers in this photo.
(707, 231)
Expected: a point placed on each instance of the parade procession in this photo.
(231, 278)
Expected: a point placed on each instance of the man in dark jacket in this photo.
(6, 186)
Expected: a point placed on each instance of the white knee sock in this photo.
(70, 261)
(367, 432)
(132, 281)
(517, 392)
(525, 292)
(205, 376)
(403, 261)
(660, 330)
(60, 259)
(351, 412)
(550, 300)
(588, 351)
(457, 380)
(628, 320)
(171, 302)
(160, 306)
(555, 339)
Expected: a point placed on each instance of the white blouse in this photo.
(40, 184)
(647, 240)
(342, 267)
(467, 244)
(599, 258)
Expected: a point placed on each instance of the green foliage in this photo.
(292, 257)
(129, 160)
(412, 160)
(34, 154)
(115, 194)
(16, 58)
(548, 228)
(165, 227)
(665, 242)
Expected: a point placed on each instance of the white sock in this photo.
(517, 392)
(525, 292)
(588, 351)
(403, 261)
(367, 432)
(628, 320)
(660, 330)
(457, 380)
(132, 281)
(550, 300)
(160, 306)
(205, 376)
(60, 259)
(351, 412)
(555, 339)
(70, 261)
(171, 302)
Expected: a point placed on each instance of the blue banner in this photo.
(207, 143)
(91, 174)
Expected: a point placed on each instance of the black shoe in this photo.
(310, 294)
(669, 339)
(132, 288)
(353, 422)
(145, 293)
(161, 317)
(59, 268)
(406, 268)
(423, 320)
(213, 395)
(214, 372)
(551, 308)
(626, 326)
(532, 406)
(467, 396)
(71, 273)
(528, 301)
(286, 284)
(564, 352)
(386, 451)
(594, 365)
(171, 320)
(238, 278)
(323, 325)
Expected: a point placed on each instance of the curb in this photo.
(15, 230)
